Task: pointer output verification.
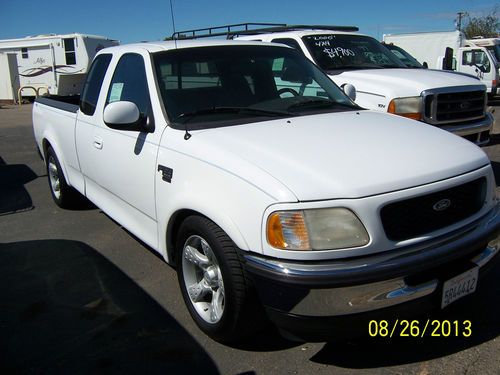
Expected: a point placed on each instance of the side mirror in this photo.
(425, 65)
(349, 90)
(125, 115)
(121, 114)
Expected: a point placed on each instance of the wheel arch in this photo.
(178, 217)
(46, 143)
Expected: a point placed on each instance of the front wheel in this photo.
(212, 281)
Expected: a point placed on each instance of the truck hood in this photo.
(394, 83)
(338, 155)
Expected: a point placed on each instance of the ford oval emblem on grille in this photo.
(442, 205)
(465, 105)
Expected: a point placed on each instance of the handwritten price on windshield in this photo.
(417, 328)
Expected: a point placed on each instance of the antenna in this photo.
(173, 21)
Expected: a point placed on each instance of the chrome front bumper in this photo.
(371, 283)
(486, 124)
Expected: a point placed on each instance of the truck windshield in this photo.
(345, 51)
(404, 56)
(217, 86)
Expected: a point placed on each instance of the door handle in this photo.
(98, 143)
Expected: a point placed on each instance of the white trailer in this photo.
(9, 78)
(449, 50)
(54, 64)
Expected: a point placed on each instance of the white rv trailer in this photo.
(56, 64)
(449, 50)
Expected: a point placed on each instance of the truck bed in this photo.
(65, 103)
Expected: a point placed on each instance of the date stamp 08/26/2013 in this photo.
(420, 328)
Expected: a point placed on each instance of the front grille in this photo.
(416, 216)
(447, 108)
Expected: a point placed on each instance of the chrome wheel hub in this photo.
(203, 279)
(55, 183)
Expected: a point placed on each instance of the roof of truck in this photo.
(178, 44)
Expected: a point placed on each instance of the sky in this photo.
(134, 21)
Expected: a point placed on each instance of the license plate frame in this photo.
(459, 286)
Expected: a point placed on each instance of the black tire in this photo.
(240, 309)
(64, 196)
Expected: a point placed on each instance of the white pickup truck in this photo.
(455, 102)
(307, 205)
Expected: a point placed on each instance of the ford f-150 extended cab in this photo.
(261, 195)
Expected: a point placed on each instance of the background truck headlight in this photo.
(316, 229)
(410, 107)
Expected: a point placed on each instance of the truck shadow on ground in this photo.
(482, 309)
(65, 308)
(13, 195)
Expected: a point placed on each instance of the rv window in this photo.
(93, 84)
(24, 53)
(69, 49)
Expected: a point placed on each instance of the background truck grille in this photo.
(416, 216)
(446, 108)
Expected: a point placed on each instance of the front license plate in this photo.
(459, 286)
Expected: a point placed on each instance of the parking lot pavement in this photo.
(79, 294)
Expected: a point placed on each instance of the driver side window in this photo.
(129, 83)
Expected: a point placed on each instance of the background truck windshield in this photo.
(344, 51)
(404, 56)
(227, 85)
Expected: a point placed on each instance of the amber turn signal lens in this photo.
(287, 230)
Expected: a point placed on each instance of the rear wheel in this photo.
(63, 194)
(212, 280)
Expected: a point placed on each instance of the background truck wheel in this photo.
(213, 282)
(64, 196)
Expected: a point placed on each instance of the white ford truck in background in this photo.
(382, 82)
(449, 50)
(308, 205)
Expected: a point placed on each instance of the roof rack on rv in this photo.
(231, 31)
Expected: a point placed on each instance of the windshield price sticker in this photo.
(338, 52)
(459, 286)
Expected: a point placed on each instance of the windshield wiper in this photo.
(318, 103)
(390, 66)
(239, 110)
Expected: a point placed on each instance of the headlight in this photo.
(318, 229)
(408, 107)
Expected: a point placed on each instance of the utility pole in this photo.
(459, 20)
